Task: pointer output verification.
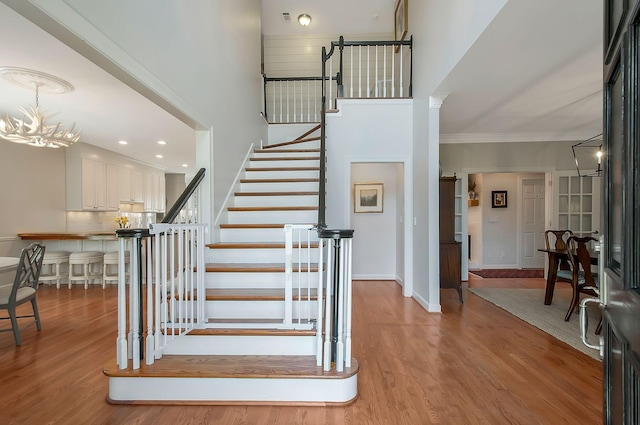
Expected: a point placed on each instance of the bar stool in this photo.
(91, 262)
(111, 259)
(53, 267)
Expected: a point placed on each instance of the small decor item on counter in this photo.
(122, 221)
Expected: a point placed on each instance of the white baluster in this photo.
(359, 68)
(368, 71)
(150, 341)
(288, 274)
(121, 342)
(330, 83)
(384, 71)
(308, 101)
(319, 304)
(348, 301)
(135, 312)
(393, 71)
(288, 118)
(351, 72)
(340, 296)
(280, 100)
(328, 309)
(376, 80)
(401, 73)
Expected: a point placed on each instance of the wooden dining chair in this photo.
(557, 239)
(583, 281)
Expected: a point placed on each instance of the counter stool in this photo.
(91, 262)
(55, 267)
(111, 259)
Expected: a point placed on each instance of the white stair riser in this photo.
(279, 186)
(279, 154)
(256, 280)
(253, 235)
(261, 255)
(285, 163)
(279, 174)
(273, 200)
(256, 309)
(265, 217)
(243, 345)
(298, 390)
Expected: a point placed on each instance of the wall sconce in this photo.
(588, 156)
(304, 20)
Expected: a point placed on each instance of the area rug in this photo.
(509, 273)
(528, 305)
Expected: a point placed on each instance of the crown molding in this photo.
(455, 138)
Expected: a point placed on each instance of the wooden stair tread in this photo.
(293, 142)
(252, 332)
(256, 267)
(282, 169)
(256, 245)
(257, 294)
(277, 208)
(287, 158)
(251, 225)
(205, 366)
(298, 180)
(315, 150)
(276, 193)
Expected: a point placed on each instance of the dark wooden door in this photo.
(621, 206)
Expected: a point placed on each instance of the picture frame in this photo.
(368, 197)
(498, 199)
(400, 21)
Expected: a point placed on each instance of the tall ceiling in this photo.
(534, 74)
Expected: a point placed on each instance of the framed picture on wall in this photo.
(401, 18)
(498, 199)
(368, 197)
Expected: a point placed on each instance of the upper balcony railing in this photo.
(362, 69)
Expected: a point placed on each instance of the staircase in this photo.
(255, 347)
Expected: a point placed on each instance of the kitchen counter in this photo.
(106, 236)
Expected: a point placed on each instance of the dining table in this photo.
(8, 264)
(556, 256)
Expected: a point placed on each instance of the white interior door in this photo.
(532, 228)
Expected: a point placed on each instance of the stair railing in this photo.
(372, 69)
(166, 267)
(301, 285)
(293, 99)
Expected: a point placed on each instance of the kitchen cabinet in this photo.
(154, 193)
(92, 186)
(130, 185)
(450, 249)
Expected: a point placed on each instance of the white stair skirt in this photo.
(242, 345)
(233, 390)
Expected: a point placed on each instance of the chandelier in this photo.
(31, 129)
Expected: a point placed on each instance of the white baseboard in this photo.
(431, 308)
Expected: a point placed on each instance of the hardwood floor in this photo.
(472, 364)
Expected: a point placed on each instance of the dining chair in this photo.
(559, 240)
(23, 289)
(583, 281)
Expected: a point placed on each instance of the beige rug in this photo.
(528, 305)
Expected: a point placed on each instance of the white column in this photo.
(433, 200)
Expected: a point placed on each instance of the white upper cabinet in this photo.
(98, 186)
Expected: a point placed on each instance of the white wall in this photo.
(443, 31)
(32, 193)
(474, 222)
(371, 131)
(375, 234)
(203, 57)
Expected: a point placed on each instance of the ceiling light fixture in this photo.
(31, 129)
(123, 142)
(162, 142)
(304, 20)
(589, 160)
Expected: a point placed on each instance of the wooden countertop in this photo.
(68, 236)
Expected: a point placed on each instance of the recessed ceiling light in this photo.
(304, 20)
(162, 142)
(185, 165)
(123, 142)
(159, 156)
